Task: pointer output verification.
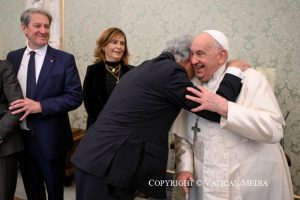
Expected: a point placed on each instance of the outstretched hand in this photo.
(208, 101)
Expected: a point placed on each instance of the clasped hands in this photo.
(26, 106)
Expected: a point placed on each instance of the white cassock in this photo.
(239, 158)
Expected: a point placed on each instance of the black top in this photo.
(97, 87)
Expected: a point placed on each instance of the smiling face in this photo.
(37, 31)
(207, 56)
(115, 48)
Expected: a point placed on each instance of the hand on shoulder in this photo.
(241, 64)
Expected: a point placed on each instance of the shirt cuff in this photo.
(235, 71)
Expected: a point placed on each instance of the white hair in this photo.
(180, 47)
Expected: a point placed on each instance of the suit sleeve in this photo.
(178, 82)
(72, 92)
(12, 91)
(229, 88)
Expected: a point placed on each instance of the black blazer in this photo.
(128, 144)
(97, 89)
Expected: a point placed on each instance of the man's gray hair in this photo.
(25, 17)
(180, 47)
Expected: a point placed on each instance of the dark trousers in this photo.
(38, 172)
(90, 187)
(8, 176)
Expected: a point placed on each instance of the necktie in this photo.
(31, 82)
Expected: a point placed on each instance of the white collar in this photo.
(214, 81)
(41, 51)
(220, 72)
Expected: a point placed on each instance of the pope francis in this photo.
(239, 158)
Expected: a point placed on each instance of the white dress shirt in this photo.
(22, 73)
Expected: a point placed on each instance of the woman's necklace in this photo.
(115, 71)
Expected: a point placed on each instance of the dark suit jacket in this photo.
(9, 91)
(97, 88)
(58, 90)
(128, 144)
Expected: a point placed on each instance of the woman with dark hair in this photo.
(111, 63)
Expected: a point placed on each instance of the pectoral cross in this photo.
(196, 129)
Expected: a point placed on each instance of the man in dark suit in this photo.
(126, 149)
(10, 138)
(55, 91)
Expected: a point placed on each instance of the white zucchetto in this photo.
(219, 37)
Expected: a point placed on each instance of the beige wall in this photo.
(266, 33)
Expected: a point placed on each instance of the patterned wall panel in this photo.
(11, 35)
(266, 33)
